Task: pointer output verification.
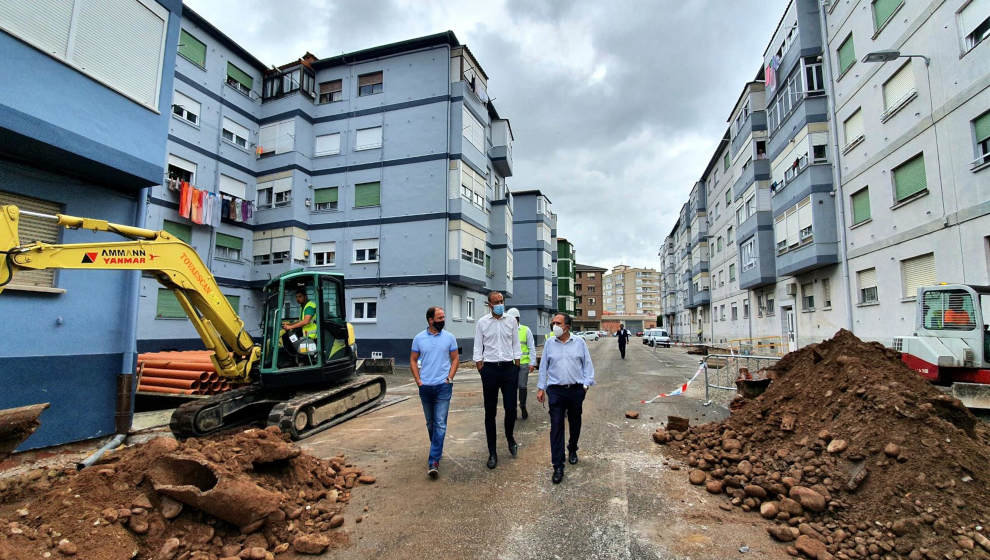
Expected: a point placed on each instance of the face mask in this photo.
(498, 309)
(558, 331)
(438, 325)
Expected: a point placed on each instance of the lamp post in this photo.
(888, 55)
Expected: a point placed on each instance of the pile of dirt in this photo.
(249, 495)
(852, 455)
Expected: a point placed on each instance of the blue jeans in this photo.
(436, 403)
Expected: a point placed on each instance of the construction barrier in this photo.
(722, 371)
(678, 391)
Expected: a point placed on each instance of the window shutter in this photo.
(286, 137)
(861, 206)
(804, 214)
(973, 15)
(43, 23)
(365, 244)
(31, 229)
(322, 196)
(917, 272)
(281, 244)
(331, 86)
(185, 102)
(267, 136)
(368, 138)
(233, 187)
(854, 126)
(239, 76)
(981, 126)
(236, 128)
(369, 79)
(180, 231)
(793, 230)
(847, 54)
(262, 247)
(327, 144)
(192, 48)
(235, 302)
(909, 178)
(899, 86)
(882, 10)
(367, 194)
(867, 278)
(299, 248)
(780, 229)
(229, 241)
(167, 306)
(282, 185)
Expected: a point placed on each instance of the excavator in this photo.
(951, 342)
(301, 382)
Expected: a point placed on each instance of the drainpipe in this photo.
(125, 407)
(836, 171)
(446, 193)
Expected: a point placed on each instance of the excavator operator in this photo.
(308, 320)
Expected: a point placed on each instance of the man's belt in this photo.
(571, 386)
(500, 364)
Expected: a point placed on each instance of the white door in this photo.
(790, 329)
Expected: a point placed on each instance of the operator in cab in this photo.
(307, 321)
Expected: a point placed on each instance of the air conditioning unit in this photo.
(792, 288)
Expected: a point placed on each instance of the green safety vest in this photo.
(523, 332)
(309, 329)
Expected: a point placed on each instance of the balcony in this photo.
(501, 150)
(762, 270)
(467, 274)
(817, 249)
(700, 234)
(807, 110)
(758, 170)
(685, 252)
(697, 298)
(686, 276)
(757, 120)
(762, 220)
(814, 178)
(698, 268)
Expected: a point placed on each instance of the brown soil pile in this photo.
(265, 498)
(851, 454)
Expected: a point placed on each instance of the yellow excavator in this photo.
(301, 382)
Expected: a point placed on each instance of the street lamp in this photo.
(888, 55)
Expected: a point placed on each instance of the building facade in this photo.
(535, 251)
(83, 123)
(566, 291)
(632, 291)
(588, 301)
(387, 165)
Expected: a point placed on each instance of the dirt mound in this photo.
(247, 495)
(852, 455)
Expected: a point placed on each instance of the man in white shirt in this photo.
(496, 354)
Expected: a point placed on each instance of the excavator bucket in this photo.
(16, 425)
(973, 395)
(8, 240)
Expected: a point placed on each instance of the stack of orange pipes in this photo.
(180, 373)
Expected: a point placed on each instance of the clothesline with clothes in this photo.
(208, 208)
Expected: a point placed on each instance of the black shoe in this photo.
(558, 475)
(572, 457)
(513, 449)
(434, 470)
(525, 414)
(492, 461)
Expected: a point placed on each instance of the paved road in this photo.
(620, 501)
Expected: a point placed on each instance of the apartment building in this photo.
(387, 165)
(588, 302)
(566, 292)
(632, 291)
(82, 131)
(534, 256)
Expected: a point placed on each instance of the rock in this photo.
(755, 491)
(230, 550)
(725, 507)
(810, 547)
(857, 477)
(677, 424)
(981, 540)
(731, 444)
(280, 548)
(366, 479)
(903, 526)
(169, 548)
(837, 446)
(769, 510)
(783, 533)
(808, 498)
(714, 486)
(810, 531)
(170, 508)
(252, 527)
(310, 544)
(892, 450)
(745, 467)
(142, 502)
(697, 477)
(254, 553)
(965, 542)
(138, 524)
(791, 507)
(336, 521)
(67, 548)
(660, 436)
(109, 514)
(633, 414)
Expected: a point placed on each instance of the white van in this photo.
(658, 337)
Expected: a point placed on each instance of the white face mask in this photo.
(558, 331)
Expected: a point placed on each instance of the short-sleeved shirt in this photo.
(434, 355)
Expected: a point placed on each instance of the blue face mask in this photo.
(498, 309)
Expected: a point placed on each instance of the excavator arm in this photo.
(175, 264)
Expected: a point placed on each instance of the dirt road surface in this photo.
(620, 502)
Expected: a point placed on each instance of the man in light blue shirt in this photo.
(433, 362)
(566, 373)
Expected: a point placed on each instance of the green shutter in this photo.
(367, 194)
(909, 178)
(229, 241)
(240, 76)
(235, 302)
(180, 231)
(882, 10)
(191, 48)
(323, 196)
(982, 127)
(168, 306)
(847, 54)
(861, 206)
(725, 161)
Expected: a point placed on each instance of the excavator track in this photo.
(308, 413)
(231, 409)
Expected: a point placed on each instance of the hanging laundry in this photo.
(198, 207)
(185, 200)
(238, 216)
(215, 207)
(250, 206)
(232, 211)
(225, 208)
(245, 210)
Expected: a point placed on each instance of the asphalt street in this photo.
(620, 501)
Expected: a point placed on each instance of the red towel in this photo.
(185, 200)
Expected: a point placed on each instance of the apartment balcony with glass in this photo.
(805, 235)
(756, 170)
(501, 151)
(756, 251)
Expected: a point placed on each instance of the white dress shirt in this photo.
(496, 339)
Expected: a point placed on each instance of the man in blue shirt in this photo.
(433, 362)
(566, 373)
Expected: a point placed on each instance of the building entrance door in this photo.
(789, 328)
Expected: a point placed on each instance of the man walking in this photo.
(566, 373)
(433, 362)
(496, 354)
(623, 336)
(528, 348)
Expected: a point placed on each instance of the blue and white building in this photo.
(535, 261)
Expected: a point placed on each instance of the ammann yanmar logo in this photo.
(89, 258)
(118, 256)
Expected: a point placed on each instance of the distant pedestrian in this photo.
(496, 354)
(566, 373)
(623, 335)
(701, 335)
(433, 362)
(528, 348)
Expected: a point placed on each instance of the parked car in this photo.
(602, 333)
(639, 333)
(658, 337)
(645, 334)
(588, 335)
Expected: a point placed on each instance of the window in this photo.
(917, 272)
(182, 232)
(867, 282)
(853, 128)
(909, 178)
(808, 296)
(327, 144)
(734, 312)
(368, 138)
(180, 169)
(847, 54)
(367, 194)
(771, 309)
(232, 187)
(235, 133)
(749, 254)
(469, 309)
(192, 49)
(746, 309)
(299, 78)
(898, 90)
(275, 250)
(234, 301)
(455, 306)
(185, 108)
(950, 309)
(974, 22)
(365, 310)
(794, 227)
(819, 153)
(728, 195)
(981, 132)
(33, 228)
(473, 187)
(860, 202)
(365, 250)
(547, 291)
(732, 272)
(325, 199)
(814, 80)
(725, 161)
(474, 131)
(331, 91)
(239, 79)
(228, 247)
(274, 192)
(883, 10)
(721, 281)
(324, 254)
(728, 235)
(740, 214)
(722, 312)
(826, 293)
(167, 306)
(718, 244)
(277, 138)
(370, 84)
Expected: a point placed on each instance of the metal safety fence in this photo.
(722, 370)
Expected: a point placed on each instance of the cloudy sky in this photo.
(616, 105)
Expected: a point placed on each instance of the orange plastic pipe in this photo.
(167, 382)
(176, 374)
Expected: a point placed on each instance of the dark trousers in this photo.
(495, 378)
(622, 350)
(564, 400)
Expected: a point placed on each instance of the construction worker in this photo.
(526, 366)
(308, 314)
(955, 317)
